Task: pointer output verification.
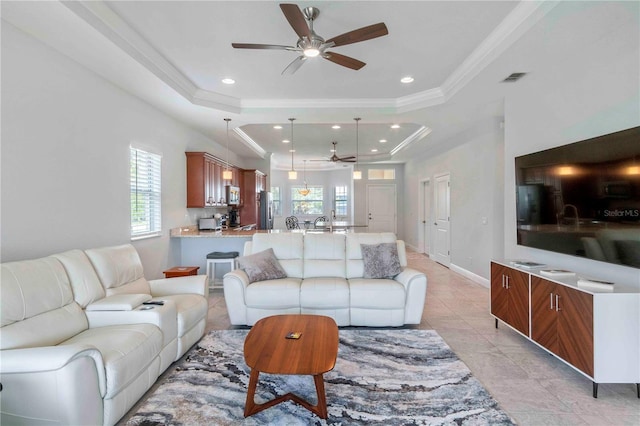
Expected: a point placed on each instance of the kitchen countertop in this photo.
(192, 231)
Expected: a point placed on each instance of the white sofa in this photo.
(325, 277)
(77, 345)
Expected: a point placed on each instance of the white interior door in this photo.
(442, 237)
(381, 208)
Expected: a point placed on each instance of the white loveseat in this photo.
(324, 276)
(77, 345)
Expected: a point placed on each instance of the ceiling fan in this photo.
(311, 45)
(335, 159)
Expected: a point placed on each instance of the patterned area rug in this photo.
(382, 377)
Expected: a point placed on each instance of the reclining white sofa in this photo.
(77, 346)
(324, 276)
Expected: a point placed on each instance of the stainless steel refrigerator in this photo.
(266, 210)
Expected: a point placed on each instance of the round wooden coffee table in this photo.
(267, 350)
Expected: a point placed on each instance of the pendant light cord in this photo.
(227, 162)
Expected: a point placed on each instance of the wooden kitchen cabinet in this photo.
(562, 322)
(510, 297)
(205, 185)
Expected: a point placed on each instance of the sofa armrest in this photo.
(119, 302)
(415, 283)
(50, 358)
(191, 284)
(235, 283)
(62, 384)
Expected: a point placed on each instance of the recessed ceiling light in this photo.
(374, 150)
(277, 127)
(383, 140)
(285, 141)
(228, 81)
(407, 79)
(335, 126)
(292, 150)
(395, 126)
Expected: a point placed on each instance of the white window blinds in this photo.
(146, 205)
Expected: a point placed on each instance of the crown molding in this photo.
(246, 139)
(102, 18)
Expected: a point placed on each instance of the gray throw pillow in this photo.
(380, 260)
(261, 266)
(629, 252)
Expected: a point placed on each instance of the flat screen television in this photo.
(583, 199)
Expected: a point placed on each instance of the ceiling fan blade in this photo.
(296, 19)
(345, 61)
(348, 157)
(262, 46)
(342, 160)
(294, 65)
(361, 34)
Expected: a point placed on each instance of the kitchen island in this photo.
(190, 246)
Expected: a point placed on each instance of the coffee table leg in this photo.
(322, 399)
(251, 392)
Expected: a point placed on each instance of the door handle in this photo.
(557, 304)
(435, 223)
(551, 301)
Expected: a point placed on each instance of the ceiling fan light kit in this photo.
(311, 45)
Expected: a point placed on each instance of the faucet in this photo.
(575, 213)
(333, 214)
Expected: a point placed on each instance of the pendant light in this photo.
(357, 174)
(292, 173)
(304, 192)
(227, 174)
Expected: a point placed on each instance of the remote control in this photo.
(154, 302)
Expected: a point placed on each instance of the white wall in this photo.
(600, 97)
(597, 93)
(473, 166)
(65, 157)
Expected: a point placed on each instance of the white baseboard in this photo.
(470, 275)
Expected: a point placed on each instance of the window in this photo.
(311, 204)
(340, 200)
(277, 201)
(381, 174)
(145, 194)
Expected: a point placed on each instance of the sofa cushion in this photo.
(380, 260)
(119, 269)
(261, 266)
(127, 350)
(324, 293)
(324, 255)
(36, 304)
(274, 294)
(376, 293)
(190, 309)
(288, 248)
(84, 281)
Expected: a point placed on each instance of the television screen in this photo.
(583, 199)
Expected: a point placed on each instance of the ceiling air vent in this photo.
(514, 77)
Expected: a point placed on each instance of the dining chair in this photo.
(292, 222)
(320, 219)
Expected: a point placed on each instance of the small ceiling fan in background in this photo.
(335, 159)
(311, 45)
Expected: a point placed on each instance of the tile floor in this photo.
(532, 386)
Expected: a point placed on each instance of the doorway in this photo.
(442, 237)
(381, 208)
